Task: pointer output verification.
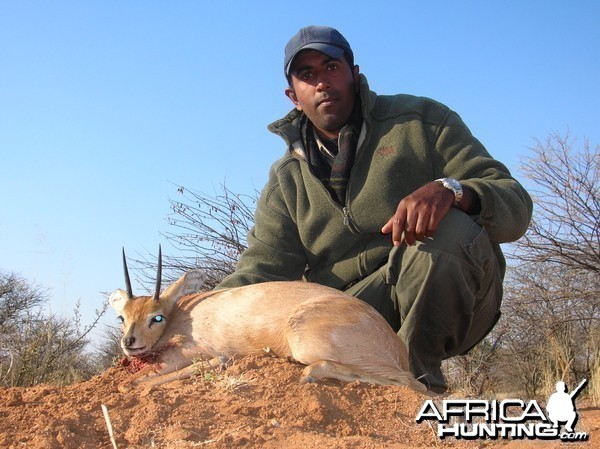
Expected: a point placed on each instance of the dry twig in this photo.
(109, 426)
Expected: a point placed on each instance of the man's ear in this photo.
(291, 94)
(355, 73)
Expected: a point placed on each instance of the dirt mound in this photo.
(257, 402)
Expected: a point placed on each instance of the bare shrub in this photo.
(553, 287)
(17, 298)
(554, 326)
(209, 232)
(35, 347)
(108, 349)
(475, 373)
(565, 229)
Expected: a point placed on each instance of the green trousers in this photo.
(442, 295)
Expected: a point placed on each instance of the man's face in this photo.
(324, 89)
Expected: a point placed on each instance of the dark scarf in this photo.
(333, 172)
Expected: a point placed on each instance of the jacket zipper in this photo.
(345, 208)
(345, 211)
(346, 216)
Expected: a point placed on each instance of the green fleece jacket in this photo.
(300, 231)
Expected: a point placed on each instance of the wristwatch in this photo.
(453, 185)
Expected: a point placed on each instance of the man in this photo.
(389, 198)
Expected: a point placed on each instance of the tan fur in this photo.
(336, 335)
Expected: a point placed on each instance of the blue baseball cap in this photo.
(326, 40)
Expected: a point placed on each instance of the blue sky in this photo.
(106, 107)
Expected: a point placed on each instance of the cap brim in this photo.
(330, 50)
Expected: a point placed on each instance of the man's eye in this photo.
(334, 66)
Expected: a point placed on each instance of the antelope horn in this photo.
(158, 274)
(127, 280)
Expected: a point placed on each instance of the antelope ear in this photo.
(189, 283)
(194, 280)
(117, 300)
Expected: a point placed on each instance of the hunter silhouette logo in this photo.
(507, 419)
(561, 406)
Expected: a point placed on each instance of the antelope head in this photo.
(144, 318)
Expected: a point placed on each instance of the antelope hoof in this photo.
(307, 380)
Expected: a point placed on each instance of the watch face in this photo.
(454, 184)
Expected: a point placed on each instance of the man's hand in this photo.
(419, 214)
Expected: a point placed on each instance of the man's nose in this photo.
(323, 83)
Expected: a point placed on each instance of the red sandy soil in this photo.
(256, 403)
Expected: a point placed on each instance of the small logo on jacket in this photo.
(385, 151)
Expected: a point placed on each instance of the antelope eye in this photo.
(158, 319)
(120, 319)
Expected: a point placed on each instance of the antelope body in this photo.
(335, 335)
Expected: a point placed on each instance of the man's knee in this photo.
(448, 287)
(456, 231)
